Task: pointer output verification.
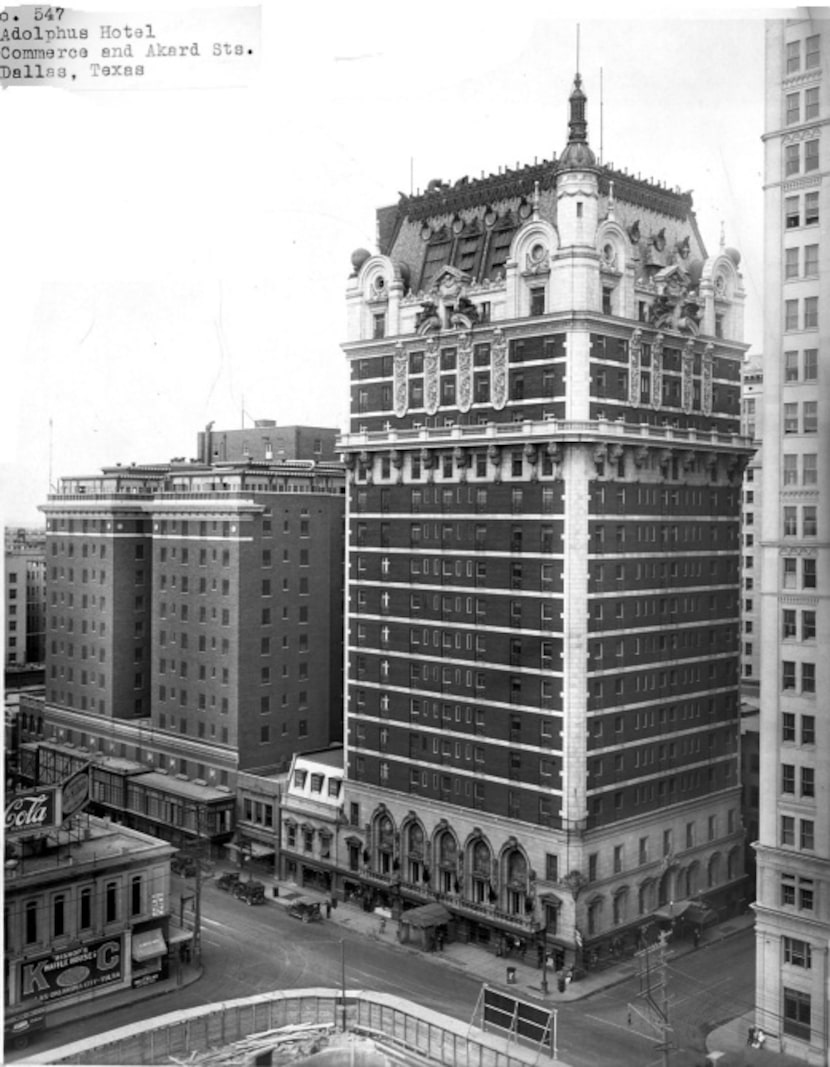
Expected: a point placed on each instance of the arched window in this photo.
(415, 852)
(516, 869)
(594, 916)
(447, 862)
(482, 865)
(385, 844)
(646, 897)
(620, 906)
(692, 878)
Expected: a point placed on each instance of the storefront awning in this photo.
(148, 944)
(426, 916)
(251, 848)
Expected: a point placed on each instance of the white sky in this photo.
(167, 258)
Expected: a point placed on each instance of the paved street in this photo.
(249, 950)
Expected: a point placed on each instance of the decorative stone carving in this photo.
(634, 232)
(537, 260)
(428, 320)
(657, 372)
(465, 315)
(400, 381)
(498, 370)
(676, 306)
(615, 454)
(665, 458)
(687, 388)
(464, 373)
(554, 450)
(688, 461)
(707, 363)
(432, 390)
(600, 456)
(640, 456)
(635, 354)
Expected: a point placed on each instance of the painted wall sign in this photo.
(63, 974)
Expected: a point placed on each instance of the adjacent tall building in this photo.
(194, 618)
(793, 853)
(544, 555)
(25, 597)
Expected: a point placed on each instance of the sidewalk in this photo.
(727, 1042)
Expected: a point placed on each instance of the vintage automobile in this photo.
(307, 910)
(251, 892)
(228, 881)
(183, 865)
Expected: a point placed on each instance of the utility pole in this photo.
(197, 904)
(654, 993)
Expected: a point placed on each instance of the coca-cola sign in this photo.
(31, 813)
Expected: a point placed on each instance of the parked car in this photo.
(183, 865)
(252, 892)
(228, 881)
(308, 911)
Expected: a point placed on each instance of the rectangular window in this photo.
(811, 209)
(811, 155)
(788, 674)
(790, 525)
(788, 778)
(808, 573)
(797, 1014)
(790, 469)
(791, 418)
(537, 300)
(811, 313)
(811, 102)
(793, 108)
(810, 260)
(808, 677)
(809, 523)
(810, 364)
(812, 52)
(793, 57)
(111, 902)
(790, 263)
(797, 953)
(790, 314)
(792, 212)
(808, 625)
(787, 830)
(85, 910)
(792, 159)
(788, 623)
(810, 416)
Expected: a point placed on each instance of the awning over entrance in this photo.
(251, 848)
(690, 911)
(148, 944)
(426, 916)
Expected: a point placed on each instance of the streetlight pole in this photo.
(343, 980)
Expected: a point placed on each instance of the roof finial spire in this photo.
(577, 48)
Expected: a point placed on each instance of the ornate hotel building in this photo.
(793, 853)
(543, 582)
